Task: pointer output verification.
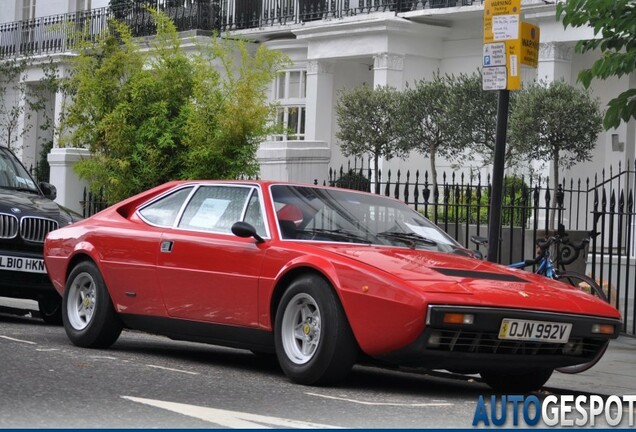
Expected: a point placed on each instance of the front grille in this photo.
(488, 343)
(35, 229)
(8, 226)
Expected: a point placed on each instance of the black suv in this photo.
(27, 215)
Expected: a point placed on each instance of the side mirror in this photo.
(48, 190)
(243, 229)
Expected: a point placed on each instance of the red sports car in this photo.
(323, 277)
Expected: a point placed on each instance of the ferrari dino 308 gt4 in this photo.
(322, 277)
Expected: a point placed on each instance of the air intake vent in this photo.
(8, 226)
(35, 229)
(472, 274)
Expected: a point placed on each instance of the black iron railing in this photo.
(59, 33)
(531, 208)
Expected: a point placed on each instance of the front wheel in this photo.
(314, 343)
(514, 382)
(89, 318)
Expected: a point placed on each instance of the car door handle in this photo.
(166, 246)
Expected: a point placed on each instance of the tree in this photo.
(615, 35)
(427, 125)
(368, 124)
(150, 116)
(20, 100)
(227, 117)
(556, 122)
(473, 111)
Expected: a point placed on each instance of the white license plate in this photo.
(537, 331)
(22, 264)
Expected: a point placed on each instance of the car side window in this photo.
(215, 208)
(164, 211)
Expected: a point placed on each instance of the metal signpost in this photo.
(508, 43)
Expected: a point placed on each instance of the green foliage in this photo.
(473, 111)
(426, 119)
(228, 117)
(556, 122)
(353, 180)
(43, 169)
(368, 120)
(613, 22)
(470, 205)
(150, 116)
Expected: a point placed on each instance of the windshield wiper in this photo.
(408, 238)
(337, 233)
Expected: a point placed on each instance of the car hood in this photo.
(30, 204)
(482, 282)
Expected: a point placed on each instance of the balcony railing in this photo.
(58, 33)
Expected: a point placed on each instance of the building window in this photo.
(290, 90)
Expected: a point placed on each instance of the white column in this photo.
(70, 188)
(58, 110)
(319, 100)
(555, 62)
(388, 69)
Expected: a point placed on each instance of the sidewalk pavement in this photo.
(614, 374)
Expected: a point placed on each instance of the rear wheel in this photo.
(314, 343)
(50, 307)
(87, 311)
(507, 381)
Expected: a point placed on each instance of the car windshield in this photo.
(339, 215)
(13, 175)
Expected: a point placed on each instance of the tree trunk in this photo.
(555, 187)
(376, 164)
(433, 156)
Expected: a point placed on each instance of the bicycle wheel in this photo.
(582, 281)
(584, 366)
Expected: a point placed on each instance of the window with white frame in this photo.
(289, 93)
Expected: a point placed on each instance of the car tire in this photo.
(515, 382)
(313, 339)
(89, 318)
(50, 308)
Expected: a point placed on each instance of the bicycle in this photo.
(566, 252)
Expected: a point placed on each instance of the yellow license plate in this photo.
(534, 331)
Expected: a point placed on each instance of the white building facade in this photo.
(333, 45)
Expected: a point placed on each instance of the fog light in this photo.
(607, 329)
(435, 339)
(458, 318)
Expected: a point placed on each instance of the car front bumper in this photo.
(26, 279)
(474, 347)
